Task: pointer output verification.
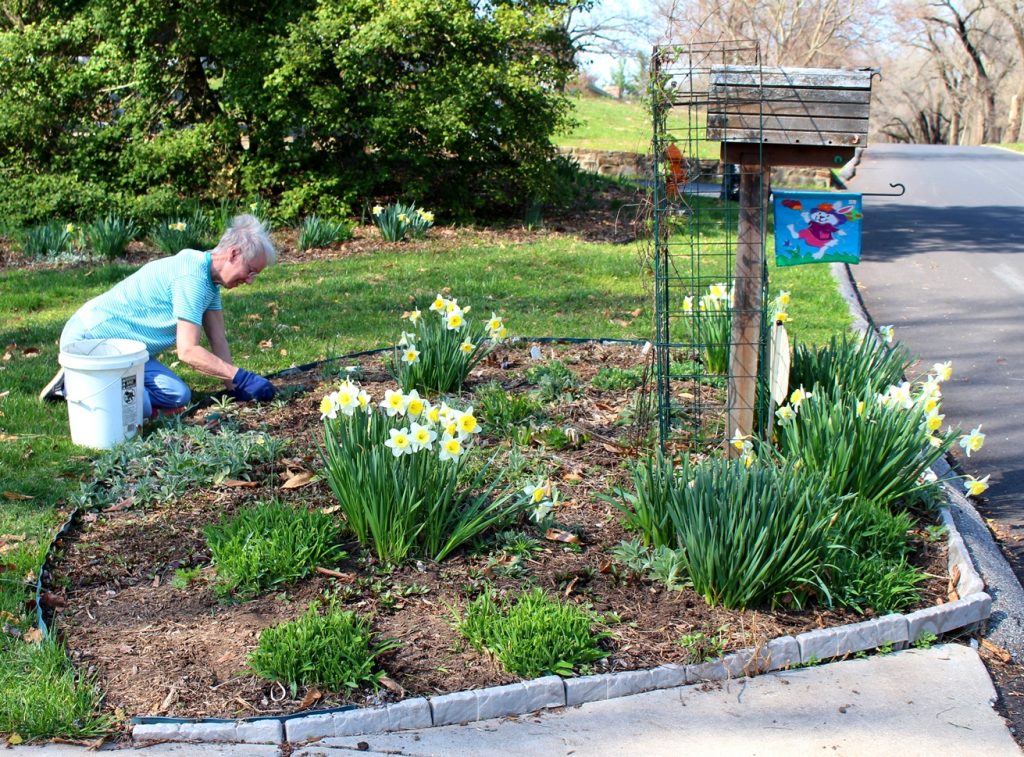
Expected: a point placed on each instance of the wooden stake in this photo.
(746, 314)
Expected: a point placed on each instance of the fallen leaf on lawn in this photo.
(266, 344)
(15, 497)
(254, 317)
(4, 394)
(618, 322)
(7, 566)
(33, 635)
(613, 448)
(10, 541)
(572, 478)
(8, 438)
(299, 479)
(30, 352)
(4, 615)
(392, 685)
(636, 313)
(330, 510)
(238, 484)
(14, 739)
(283, 353)
(554, 534)
(312, 696)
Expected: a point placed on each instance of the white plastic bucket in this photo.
(103, 385)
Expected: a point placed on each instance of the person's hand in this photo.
(250, 386)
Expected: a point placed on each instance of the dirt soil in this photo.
(160, 650)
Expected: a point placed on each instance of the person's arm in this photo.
(216, 334)
(203, 360)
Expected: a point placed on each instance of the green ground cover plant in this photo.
(532, 634)
(269, 544)
(327, 647)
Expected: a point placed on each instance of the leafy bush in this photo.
(749, 535)
(533, 635)
(443, 347)
(319, 232)
(397, 478)
(47, 239)
(270, 544)
(109, 236)
(874, 446)
(326, 647)
(858, 364)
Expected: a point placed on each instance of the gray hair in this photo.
(249, 233)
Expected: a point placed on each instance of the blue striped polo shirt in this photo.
(147, 305)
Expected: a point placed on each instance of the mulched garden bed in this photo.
(160, 650)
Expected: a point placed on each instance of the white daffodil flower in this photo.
(400, 442)
(536, 493)
(467, 423)
(414, 404)
(393, 402)
(975, 486)
(943, 371)
(422, 437)
(451, 448)
(410, 355)
(328, 407)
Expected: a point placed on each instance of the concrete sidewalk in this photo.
(915, 702)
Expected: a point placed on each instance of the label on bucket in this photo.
(129, 401)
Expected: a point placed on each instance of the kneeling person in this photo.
(166, 303)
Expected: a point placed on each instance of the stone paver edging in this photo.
(971, 608)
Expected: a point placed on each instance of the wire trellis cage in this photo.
(707, 206)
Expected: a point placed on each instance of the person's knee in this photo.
(168, 390)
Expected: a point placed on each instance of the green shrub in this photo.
(533, 635)
(326, 647)
(269, 544)
(852, 362)
(749, 535)
(398, 477)
(109, 236)
(858, 444)
(319, 232)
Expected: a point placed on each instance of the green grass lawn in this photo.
(551, 286)
(625, 125)
(1017, 146)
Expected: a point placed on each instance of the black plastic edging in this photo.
(61, 533)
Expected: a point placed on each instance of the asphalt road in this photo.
(944, 264)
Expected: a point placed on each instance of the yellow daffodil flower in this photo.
(451, 448)
(861, 406)
(434, 414)
(378, 209)
(422, 437)
(411, 315)
(688, 304)
(973, 441)
(943, 371)
(782, 317)
(783, 298)
(536, 493)
(467, 423)
(718, 291)
(179, 226)
(414, 404)
(466, 347)
(426, 215)
(393, 402)
(410, 356)
(400, 442)
(798, 396)
(454, 321)
(975, 486)
(403, 218)
(934, 421)
(439, 304)
(70, 228)
(785, 414)
(328, 408)
(363, 399)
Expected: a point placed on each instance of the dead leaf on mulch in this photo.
(996, 651)
(554, 534)
(300, 479)
(392, 685)
(234, 483)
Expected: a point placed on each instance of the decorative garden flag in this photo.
(817, 227)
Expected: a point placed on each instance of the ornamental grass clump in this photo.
(534, 634)
(270, 544)
(48, 239)
(443, 347)
(398, 470)
(326, 647)
(187, 232)
(397, 219)
(750, 534)
(321, 232)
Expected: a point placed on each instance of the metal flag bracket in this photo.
(903, 191)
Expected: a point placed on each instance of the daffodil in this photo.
(434, 413)
(393, 402)
(400, 442)
(542, 510)
(888, 333)
(70, 228)
(414, 404)
(466, 347)
(454, 320)
(378, 209)
(179, 226)
(687, 304)
(933, 422)
(364, 399)
(439, 304)
(451, 448)
(785, 414)
(348, 397)
(403, 218)
(861, 406)
(782, 317)
(975, 486)
(500, 335)
(411, 315)
(467, 423)
(943, 371)
(718, 291)
(783, 297)
(740, 442)
(900, 395)
(328, 407)
(798, 396)
(426, 215)
(494, 324)
(973, 441)
(254, 206)
(422, 437)
(537, 493)
(410, 355)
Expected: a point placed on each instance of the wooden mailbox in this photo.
(770, 116)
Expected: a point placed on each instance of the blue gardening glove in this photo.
(250, 386)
